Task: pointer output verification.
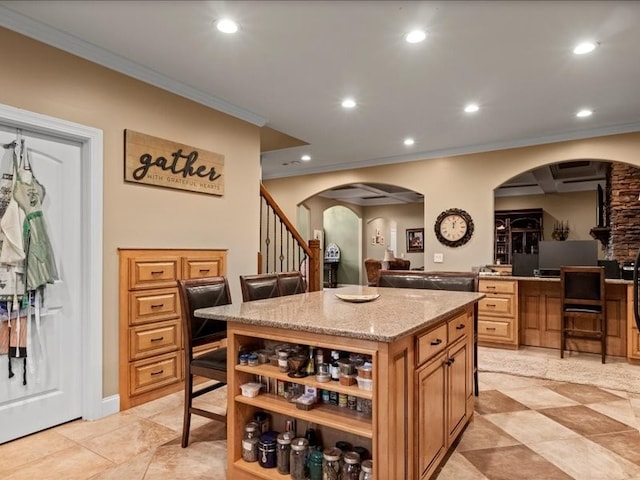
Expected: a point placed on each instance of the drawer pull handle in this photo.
(490, 304)
(450, 362)
(157, 272)
(157, 373)
(205, 270)
(460, 327)
(491, 329)
(158, 339)
(491, 287)
(435, 342)
(157, 305)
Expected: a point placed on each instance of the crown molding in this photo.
(44, 33)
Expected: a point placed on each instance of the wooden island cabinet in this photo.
(421, 346)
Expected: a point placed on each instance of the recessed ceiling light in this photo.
(415, 36)
(584, 47)
(584, 113)
(226, 25)
(305, 158)
(348, 103)
(409, 141)
(471, 108)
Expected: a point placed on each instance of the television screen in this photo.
(553, 254)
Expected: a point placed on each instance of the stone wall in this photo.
(623, 212)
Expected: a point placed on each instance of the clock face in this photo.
(454, 227)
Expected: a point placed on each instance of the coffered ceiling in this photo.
(291, 63)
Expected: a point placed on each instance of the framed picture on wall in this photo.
(415, 240)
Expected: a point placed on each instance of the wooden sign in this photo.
(154, 161)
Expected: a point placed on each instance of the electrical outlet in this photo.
(438, 257)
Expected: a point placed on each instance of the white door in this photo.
(53, 393)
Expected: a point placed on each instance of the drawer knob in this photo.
(435, 342)
(460, 327)
(158, 339)
(450, 362)
(157, 373)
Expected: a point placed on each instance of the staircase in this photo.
(282, 249)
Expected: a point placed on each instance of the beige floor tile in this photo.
(620, 411)
(585, 460)
(200, 461)
(458, 468)
(538, 397)
(82, 429)
(481, 433)
(498, 381)
(74, 463)
(29, 449)
(130, 440)
(134, 469)
(529, 427)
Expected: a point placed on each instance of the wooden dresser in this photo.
(150, 318)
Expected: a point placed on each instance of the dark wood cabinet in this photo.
(516, 231)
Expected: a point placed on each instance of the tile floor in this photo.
(524, 428)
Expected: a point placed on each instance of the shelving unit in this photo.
(516, 231)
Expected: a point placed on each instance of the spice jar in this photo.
(351, 466)
(331, 464)
(250, 442)
(267, 450)
(367, 470)
(283, 452)
(315, 465)
(298, 458)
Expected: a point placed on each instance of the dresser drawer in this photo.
(499, 305)
(155, 339)
(202, 268)
(153, 273)
(496, 286)
(153, 306)
(147, 375)
(460, 326)
(431, 343)
(495, 330)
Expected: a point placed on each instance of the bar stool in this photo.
(583, 306)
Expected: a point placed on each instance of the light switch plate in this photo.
(438, 257)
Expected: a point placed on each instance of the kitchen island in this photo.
(421, 346)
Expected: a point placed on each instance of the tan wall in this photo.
(465, 181)
(48, 81)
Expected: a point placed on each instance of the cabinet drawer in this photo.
(431, 343)
(150, 374)
(203, 268)
(150, 273)
(495, 330)
(500, 305)
(153, 306)
(154, 339)
(459, 327)
(496, 286)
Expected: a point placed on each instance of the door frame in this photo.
(92, 237)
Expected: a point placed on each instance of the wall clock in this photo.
(454, 227)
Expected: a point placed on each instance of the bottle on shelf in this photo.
(311, 363)
(335, 367)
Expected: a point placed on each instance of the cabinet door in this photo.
(458, 382)
(431, 390)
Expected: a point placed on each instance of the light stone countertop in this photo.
(612, 281)
(396, 313)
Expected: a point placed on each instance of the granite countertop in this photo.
(613, 281)
(395, 314)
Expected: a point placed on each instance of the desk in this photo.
(536, 316)
(421, 345)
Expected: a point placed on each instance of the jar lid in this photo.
(344, 446)
(299, 444)
(252, 427)
(332, 454)
(351, 458)
(367, 466)
(284, 438)
(260, 416)
(269, 438)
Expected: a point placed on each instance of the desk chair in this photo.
(259, 287)
(291, 283)
(583, 304)
(200, 293)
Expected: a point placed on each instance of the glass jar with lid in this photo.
(283, 452)
(315, 465)
(331, 464)
(250, 442)
(298, 458)
(267, 445)
(351, 466)
(367, 470)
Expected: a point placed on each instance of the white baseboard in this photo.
(110, 405)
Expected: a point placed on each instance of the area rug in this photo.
(543, 363)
